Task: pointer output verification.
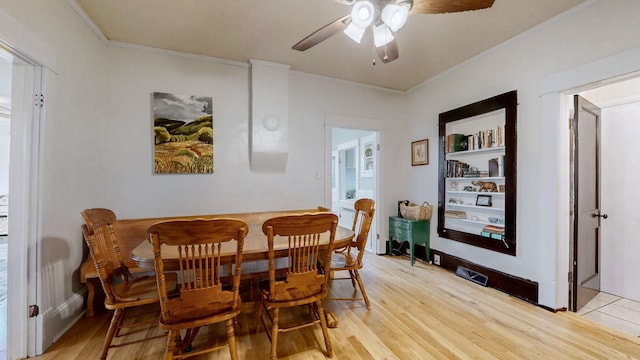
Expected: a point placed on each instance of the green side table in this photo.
(413, 231)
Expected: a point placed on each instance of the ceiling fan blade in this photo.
(322, 34)
(389, 52)
(448, 6)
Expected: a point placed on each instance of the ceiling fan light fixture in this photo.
(362, 13)
(355, 32)
(395, 16)
(382, 35)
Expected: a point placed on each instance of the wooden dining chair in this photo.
(207, 293)
(303, 283)
(350, 259)
(122, 289)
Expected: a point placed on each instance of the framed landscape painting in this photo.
(183, 134)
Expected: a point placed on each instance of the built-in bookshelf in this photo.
(477, 186)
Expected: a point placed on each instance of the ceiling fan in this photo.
(384, 17)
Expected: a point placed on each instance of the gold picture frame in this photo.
(420, 152)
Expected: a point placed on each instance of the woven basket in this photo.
(416, 212)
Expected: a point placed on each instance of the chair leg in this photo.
(113, 327)
(325, 331)
(231, 339)
(173, 339)
(274, 334)
(259, 319)
(362, 290)
(90, 297)
(353, 278)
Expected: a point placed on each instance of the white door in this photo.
(586, 243)
(335, 182)
(347, 180)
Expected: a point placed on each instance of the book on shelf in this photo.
(494, 170)
(492, 235)
(493, 228)
(456, 168)
(455, 214)
(456, 142)
(487, 138)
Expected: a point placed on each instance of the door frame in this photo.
(555, 92)
(20, 41)
(370, 124)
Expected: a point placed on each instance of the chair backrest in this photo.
(364, 210)
(302, 235)
(205, 248)
(103, 244)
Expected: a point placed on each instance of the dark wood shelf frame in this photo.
(509, 102)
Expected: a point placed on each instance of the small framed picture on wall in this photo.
(420, 152)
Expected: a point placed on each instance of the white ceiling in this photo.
(240, 30)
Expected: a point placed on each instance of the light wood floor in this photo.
(420, 312)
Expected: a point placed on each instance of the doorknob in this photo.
(604, 216)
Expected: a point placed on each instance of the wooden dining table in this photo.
(255, 243)
(255, 252)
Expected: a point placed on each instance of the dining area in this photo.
(406, 312)
(210, 280)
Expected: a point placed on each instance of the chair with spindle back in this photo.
(303, 283)
(207, 294)
(345, 260)
(122, 289)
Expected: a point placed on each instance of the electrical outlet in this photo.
(436, 259)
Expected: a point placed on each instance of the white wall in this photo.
(592, 31)
(132, 191)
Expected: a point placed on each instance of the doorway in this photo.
(618, 302)
(354, 174)
(19, 193)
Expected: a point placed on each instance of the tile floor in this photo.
(614, 311)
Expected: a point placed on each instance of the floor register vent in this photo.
(473, 276)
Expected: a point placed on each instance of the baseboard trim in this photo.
(524, 289)
(67, 314)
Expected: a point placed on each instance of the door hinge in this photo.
(570, 279)
(378, 147)
(38, 100)
(34, 311)
(377, 236)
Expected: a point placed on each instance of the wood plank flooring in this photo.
(420, 312)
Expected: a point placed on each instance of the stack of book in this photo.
(455, 214)
(492, 231)
(456, 168)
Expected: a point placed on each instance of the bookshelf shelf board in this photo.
(478, 222)
(496, 149)
(498, 178)
(474, 193)
(490, 208)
